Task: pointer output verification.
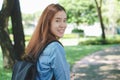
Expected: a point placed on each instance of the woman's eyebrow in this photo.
(59, 18)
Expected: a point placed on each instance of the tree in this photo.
(99, 6)
(80, 11)
(113, 12)
(12, 50)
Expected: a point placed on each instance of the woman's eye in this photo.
(57, 20)
(64, 21)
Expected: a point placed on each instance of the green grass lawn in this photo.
(73, 53)
(4, 74)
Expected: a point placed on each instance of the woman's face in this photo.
(58, 24)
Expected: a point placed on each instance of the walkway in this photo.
(102, 65)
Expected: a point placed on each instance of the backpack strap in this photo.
(38, 55)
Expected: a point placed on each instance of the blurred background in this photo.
(92, 25)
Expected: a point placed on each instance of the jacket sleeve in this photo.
(61, 70)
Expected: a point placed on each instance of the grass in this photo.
(73, 53)
(4, 73)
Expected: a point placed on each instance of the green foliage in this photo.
(4, 73)
(80, 11)
(85, 11)
(77, 30)
(111, 12)
(99, 41)
(9, 26)
(10, 29)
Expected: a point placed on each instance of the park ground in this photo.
(101, 65)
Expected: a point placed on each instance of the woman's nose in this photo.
(63, 24)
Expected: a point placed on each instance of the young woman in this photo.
(52, 62)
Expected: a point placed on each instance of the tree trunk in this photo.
(10, 51)
(5, 42)
(17, 27)
(101, 21)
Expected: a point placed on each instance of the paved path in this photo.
(101, 65)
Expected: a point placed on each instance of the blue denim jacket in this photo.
(53, 62)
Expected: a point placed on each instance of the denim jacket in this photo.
(53, 62)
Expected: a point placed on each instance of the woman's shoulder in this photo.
(51, 47)
(54, 44)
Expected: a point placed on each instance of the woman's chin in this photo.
(58, 37)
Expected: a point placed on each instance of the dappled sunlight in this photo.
(103, 72)
(101, 65)
(111, 77)
(80, 75)
(110, 49)
(106, 67)
(112, 57)
(80, 66)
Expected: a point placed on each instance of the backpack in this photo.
(26, 70)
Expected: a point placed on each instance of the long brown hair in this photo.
(42, 34)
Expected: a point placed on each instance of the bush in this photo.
(77, 30)
(99, 41)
